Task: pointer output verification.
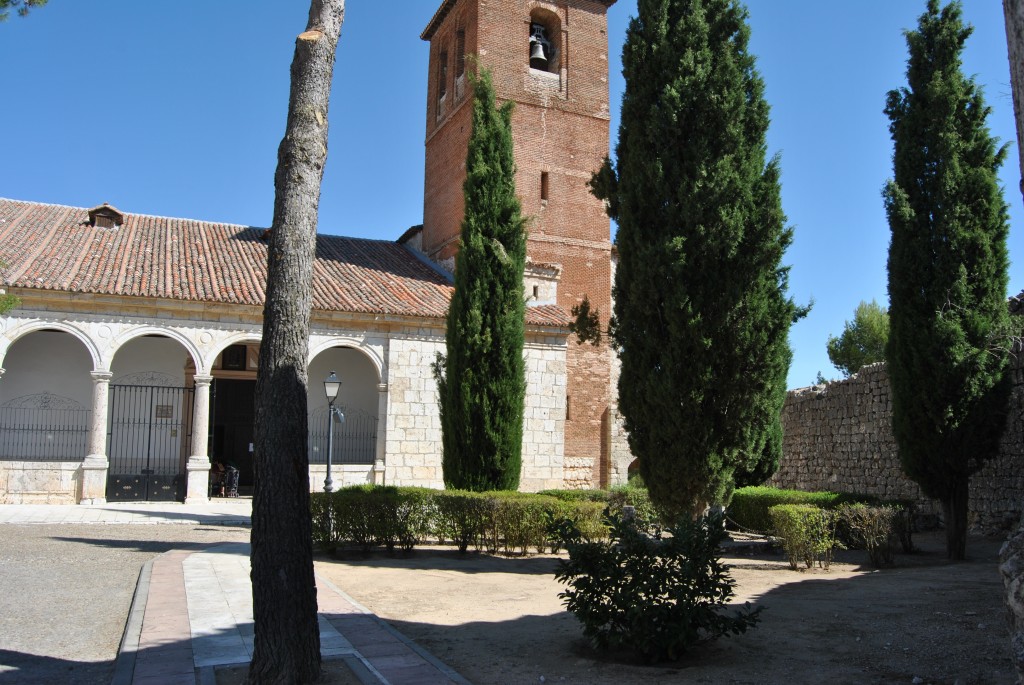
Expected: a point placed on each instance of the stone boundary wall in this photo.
(839, 437)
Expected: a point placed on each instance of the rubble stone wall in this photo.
(839, 437)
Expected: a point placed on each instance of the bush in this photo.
(808, 533)
(577, 495)
(872, 528)
(459, 517)
(634, 494)
(749, 506)
(365, 516)
(654, 596)
(400, 516)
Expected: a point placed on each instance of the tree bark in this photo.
(1013, 10)
(287, 635)
(954, 511)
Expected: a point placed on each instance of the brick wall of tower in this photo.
(448, 125)
(560, 129)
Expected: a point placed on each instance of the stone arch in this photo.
(237, 338)
(137, 332)
(21, 330)
(358, 436)
(352, 343)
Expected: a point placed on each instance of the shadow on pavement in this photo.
(19, 668)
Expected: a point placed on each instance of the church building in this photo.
(129, 366)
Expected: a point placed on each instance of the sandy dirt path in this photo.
(499, 620)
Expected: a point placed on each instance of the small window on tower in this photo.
(544, 188)
(460, 54)
(442, 75)
(536, 292)
(568, 407)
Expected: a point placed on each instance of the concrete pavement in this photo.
(192, 610)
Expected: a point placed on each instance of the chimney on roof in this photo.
(106, 216)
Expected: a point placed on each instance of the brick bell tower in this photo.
(551, 58)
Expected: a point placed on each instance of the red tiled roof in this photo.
(53, 247)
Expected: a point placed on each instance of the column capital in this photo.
(2, 372)
(101, 376)
(382, 387)
(202, 379)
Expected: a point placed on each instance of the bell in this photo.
(537, 58)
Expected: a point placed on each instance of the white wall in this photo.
(150, 361)
(47, 361)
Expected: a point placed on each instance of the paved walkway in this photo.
(192, 611)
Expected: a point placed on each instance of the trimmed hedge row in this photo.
(750, 505)
(811, 534)
(365, 517)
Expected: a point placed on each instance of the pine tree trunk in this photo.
(1014, 13)
(287, 635)
(954, 511)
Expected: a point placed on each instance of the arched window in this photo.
(544, 39)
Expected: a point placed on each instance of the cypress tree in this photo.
(701, 313)
(481, 379)
(947, 271)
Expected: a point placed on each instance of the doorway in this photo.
(234, 415)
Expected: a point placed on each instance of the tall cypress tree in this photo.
(947, 271)
(701, 312)
(481, 380)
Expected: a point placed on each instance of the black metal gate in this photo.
(149, 436)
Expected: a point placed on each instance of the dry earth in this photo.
(499, 620)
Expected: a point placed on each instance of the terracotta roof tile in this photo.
(53, 247)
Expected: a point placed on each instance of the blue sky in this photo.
(177, 109)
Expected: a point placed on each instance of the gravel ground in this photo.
(65, 592)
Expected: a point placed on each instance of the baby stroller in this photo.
(231, 482)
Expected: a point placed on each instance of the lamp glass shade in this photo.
(331, 387)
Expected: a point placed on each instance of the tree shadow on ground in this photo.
(926, 618)
(444, 558)
(154, 546)
(19, 668)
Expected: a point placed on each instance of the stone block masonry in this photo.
(839, 437)
(413, 430)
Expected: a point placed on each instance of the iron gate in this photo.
(148, 440)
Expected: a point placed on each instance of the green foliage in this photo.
(701, 313)
(481, 380)
(654, 596)
(460, 517)
(634, 494)
(20, 6)
(365, 517)
(577, 495)
(7, 301)
(808, 533)
(862, 341)
(947, 271)
(750, 506)
(586, 323)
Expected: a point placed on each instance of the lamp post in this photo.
(331, 387)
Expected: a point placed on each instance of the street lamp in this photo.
(331, 387)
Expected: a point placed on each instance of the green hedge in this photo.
(577, 495)
(808, 533)
(750, 505)
(510, 522)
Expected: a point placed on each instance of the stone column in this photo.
(382, 432)
(93, 484)
(198, 467)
